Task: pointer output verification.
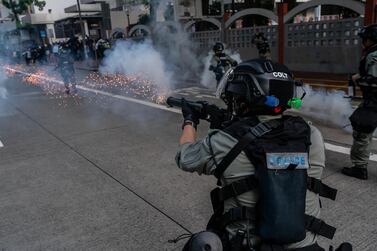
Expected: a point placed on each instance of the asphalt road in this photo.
(78, 174)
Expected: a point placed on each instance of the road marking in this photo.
(1, 144)
(27, 94)
(345, 150)
(328, 146)
(138, 101)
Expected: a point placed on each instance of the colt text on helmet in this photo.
(280, 75)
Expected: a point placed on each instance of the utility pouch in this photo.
(364, 119)
(282, 189)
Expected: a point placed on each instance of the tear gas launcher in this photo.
(215, 115)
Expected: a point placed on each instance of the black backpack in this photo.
(279, 151)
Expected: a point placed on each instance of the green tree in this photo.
(20, 7)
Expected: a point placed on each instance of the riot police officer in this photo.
(261, 42)
(259, 157)
(220, 62)
(364, 119)
(67, 69)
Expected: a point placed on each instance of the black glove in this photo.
(189, 114)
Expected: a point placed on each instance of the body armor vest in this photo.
(369, 92)
(279, 151)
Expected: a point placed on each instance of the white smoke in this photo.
(162, 6)
(167, 60)
(329, 107)
(208, 78)
(3, 78)
(140, 59)
(3, 92)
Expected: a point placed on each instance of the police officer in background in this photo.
(220, 62)
(364, 119)
(66, 68)
(259, 157)
(261, 42)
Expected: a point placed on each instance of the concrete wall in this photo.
(240, 40)
(119, 18)
(192, 11)
(4, 12)
(322, 46)
(325, 46)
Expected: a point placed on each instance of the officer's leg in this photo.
(204, 241)
(360, 152)
(66, 83)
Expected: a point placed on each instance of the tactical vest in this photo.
(369, 91)
(279, 151)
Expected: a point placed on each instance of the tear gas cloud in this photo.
(168, 60)
(162, 7)
(5, 27)
(3, 90)
(329, 107)
(140, 59)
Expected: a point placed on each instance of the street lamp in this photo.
(83, 34)
(127, 11)
(80, 18)
(128, 16)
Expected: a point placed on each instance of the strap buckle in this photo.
(323, 190)
(260, 129)
(316, 225)
(314, 185)
(234, 189)
(319, 227)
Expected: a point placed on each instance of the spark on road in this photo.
(134, 86)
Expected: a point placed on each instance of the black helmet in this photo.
(265, 87)
(218, 47)
(369, 32)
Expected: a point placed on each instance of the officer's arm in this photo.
(194, 156)
(202, 156)
(232, 61)
(188, 135)
(214, 63)
(371, 77)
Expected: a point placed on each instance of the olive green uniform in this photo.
(360, 150)
(197, 157)
(217, 59)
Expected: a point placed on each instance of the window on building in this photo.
(212, 7)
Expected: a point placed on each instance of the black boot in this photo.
(344, 247)
(356, 172)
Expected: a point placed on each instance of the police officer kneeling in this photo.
(268, 166)
(364, 119)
